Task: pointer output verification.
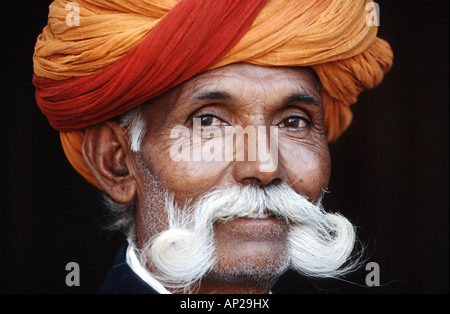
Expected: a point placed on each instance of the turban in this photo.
(121, 53)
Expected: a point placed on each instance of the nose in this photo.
(256, 162)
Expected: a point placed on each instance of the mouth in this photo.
(255, 227)
(251, 235)
(263, 215)
(259, 215)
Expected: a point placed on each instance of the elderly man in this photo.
(206, 123)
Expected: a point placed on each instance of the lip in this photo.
(256, 221)
(256, 229)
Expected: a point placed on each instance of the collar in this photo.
(144, 274)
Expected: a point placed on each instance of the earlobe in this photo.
(105, 150)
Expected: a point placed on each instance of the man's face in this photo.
(236, 95)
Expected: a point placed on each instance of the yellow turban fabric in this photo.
(76, 66)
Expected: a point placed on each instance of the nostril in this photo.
(261, 183)
(276, 181)
(252, 180)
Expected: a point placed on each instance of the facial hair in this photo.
(320, 244)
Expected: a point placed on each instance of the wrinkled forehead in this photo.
(243, 84)
(239, 75)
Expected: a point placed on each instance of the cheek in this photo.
(187, 179)
(307, 168)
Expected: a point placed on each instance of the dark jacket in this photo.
(121, 279)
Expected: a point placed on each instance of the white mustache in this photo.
(253, 202)
(320, 242)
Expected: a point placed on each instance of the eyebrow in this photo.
(302, 98)
(291, 99)
(212, 96)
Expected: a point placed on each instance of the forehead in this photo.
(244, 78)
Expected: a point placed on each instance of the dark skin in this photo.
(239, 94)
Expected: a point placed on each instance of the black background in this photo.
(390, 170)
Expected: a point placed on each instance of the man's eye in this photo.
(210, 120)
(294, 122)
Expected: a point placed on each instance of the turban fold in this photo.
(125, 52)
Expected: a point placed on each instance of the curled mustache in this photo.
(320, 243)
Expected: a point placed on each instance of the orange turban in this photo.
(121, 53)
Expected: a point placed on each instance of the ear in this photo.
(105, 150)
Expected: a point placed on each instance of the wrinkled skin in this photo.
(238, 94)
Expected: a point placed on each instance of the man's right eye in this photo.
(210, 120)
(294, 122)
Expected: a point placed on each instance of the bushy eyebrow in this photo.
(294, 98)
(302, 98)
(216, 95)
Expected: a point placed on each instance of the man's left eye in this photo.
(210, 120)
(294, 122)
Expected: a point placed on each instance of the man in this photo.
(206, 125)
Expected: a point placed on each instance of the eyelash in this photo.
(305, 120)
(301, 118)
(195, 115)
(210, 115)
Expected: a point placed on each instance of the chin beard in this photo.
(320, 244)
